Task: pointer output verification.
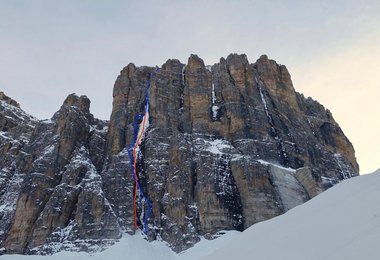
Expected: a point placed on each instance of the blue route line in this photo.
(130, 150)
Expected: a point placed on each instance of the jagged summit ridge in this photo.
(227, 146)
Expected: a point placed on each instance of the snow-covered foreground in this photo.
(137, 248)
(342, 223)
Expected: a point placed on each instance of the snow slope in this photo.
(137, 248)
(341, 223)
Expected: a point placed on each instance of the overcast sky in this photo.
(49, 49)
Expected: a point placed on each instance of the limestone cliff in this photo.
(227, 146)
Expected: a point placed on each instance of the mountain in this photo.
(189, 150)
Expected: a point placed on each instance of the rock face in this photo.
(227, 146)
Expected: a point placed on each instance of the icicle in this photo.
(214, 107)
(213, 96)
(259, 84)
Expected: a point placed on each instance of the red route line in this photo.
(134, 172)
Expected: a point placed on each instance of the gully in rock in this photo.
(143, 120)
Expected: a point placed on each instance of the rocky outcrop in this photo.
(227, 146)
(8, 100)
(59, 187)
